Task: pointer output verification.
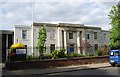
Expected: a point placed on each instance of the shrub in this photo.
(98, 53)
(58, 54)
(30, 57)
(54, 54)
(102, 51)
(48, 56)
(13, 48)
(61, 53)
(16, 46)
(72, 55)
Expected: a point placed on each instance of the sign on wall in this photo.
(20, 51)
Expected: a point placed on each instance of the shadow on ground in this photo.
(94, 72)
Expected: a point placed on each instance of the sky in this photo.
(25, 12)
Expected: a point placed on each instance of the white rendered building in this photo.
(62, 35)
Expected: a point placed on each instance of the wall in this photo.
(55, 63)
(18, 36)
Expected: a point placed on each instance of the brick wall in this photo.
(55, 63)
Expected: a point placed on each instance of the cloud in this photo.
(16, 13)
(81, 12)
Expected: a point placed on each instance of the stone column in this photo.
(78, 42)
(83, 39)
(32, 41)
(65, 41)
(58, 36)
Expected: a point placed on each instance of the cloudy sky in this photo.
(24, 12)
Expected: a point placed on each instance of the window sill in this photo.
(53, 38)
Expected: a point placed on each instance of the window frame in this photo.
(24, 34)
(88, 36)
(52, 34)
(70, 35)
(52, 47)
(96, 47)
(95, 35)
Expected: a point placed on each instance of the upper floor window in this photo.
(104, 36)
(52, 34)
(70, 35)
(24, 34)
(95, 35)
(88, 36)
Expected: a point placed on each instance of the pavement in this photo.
(54, 70)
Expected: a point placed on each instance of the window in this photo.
(104, 36)
(112, 54)
(52, 47)
(96, 46)
(52, 34)
(24, 34)
(88, 36)
(95, 35)
(70, 35)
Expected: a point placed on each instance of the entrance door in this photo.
(71, 48)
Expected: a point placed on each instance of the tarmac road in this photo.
(103, 69)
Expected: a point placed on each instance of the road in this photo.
(97, 71)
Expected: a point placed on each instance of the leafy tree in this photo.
(41, 41)
(114, 16)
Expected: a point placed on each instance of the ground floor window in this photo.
(96, 46)
(52, 47)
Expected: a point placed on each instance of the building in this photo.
(63, 35)
(6, 39)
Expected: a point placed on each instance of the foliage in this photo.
(114, 16)
(85, 44)
(58, 54)
(30, 57)
(72, 55)
(98, 53)
(48, 56)
(13, 48)
(41, 41)
(102, 51)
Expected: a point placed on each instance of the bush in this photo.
(12, 53)
(48, 56)
(98, 53)
(16, 46)
(61, 53)
(72, 55)
(102, 51)
(30, 57)
(58, 54)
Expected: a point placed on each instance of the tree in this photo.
(41, 41)
(114, 16)
(86, 47)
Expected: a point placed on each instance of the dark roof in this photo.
(6, 31)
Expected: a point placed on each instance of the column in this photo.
(83, 39)
(65, 41)
(78, 42)
(32, 41)
(58, 47)
(14, 36)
